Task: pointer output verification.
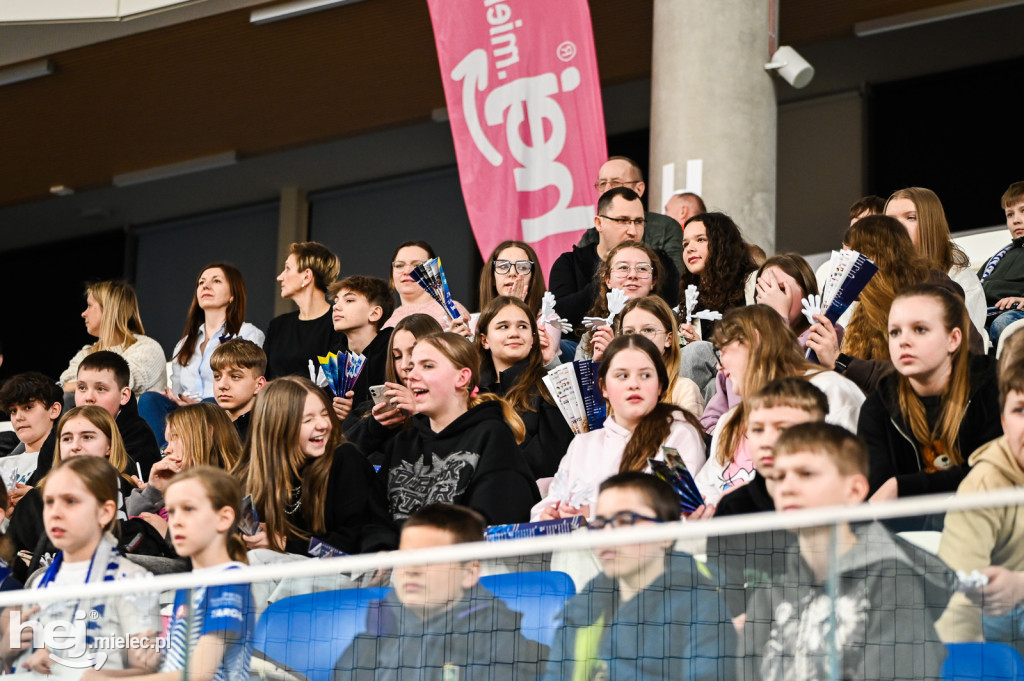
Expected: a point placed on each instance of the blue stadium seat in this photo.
(982, 662)
(307, 633)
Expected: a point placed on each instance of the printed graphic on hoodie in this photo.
(415, 484)
(799, 646)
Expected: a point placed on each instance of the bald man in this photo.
(661, 232)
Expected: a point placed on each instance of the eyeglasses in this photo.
(646, 332)
(522, 266)
(643, 270)
(398, 265)
(639, 222)
(602, 185)
(620, 519)
(718, 354)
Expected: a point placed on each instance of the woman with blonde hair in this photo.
(755, 346)
(920, 211)
(112, 316)
(461, 448)
(295, 339)
(306, 480)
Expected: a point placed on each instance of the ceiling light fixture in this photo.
(265, 15)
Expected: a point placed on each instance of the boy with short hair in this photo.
(34, 402)
(991, 540)
(361, 306)
(438, 622)
(745, 561)
(653, 613)
(238, 368)
(874, 607)
(1002, 277)
(104, 379)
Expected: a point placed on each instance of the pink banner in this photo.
(524, 101)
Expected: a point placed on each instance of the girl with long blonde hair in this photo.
(755, 346)
(923, 421)
(112, 316)
(306, 480)
(462, 447)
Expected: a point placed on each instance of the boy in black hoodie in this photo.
(438, 622)
(361, 305)
(104, 379)
(869, 613)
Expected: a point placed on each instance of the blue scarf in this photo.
(991, 266)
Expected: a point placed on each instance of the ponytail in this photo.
(514, 421)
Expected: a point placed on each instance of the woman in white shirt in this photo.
(217, 315)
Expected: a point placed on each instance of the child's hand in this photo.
(156, 521)
(15, 495)
(549, 513)
(161, 472)
(401, 397)
(567, 510)
(548, 350)
(603, 335)
(262, 540)
(704, 512)
(180, 400)
(137, 481)
(1005, 589)
(39, 661)
(343, 405)
(688, 333)
(460, 326)
(519, 288)
(824, 341)
(887, 492)
(387, 416)
(775, 294)
(26, 632)
(1011, 303)
(145, 656)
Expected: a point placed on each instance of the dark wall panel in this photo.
(171, 254)
(954, 133)
(44, 298)
(364, 225)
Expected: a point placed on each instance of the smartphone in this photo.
(377, 393)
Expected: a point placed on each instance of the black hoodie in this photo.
(547, 433)
(473, 462)
(894, 452)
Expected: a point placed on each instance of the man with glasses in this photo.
(661, 232)
(620, 217)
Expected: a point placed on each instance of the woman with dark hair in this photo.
(717, 261)
(217, 314)
(514, 270)
(512, 366)
(412, 297)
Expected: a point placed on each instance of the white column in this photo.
(713, 101)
